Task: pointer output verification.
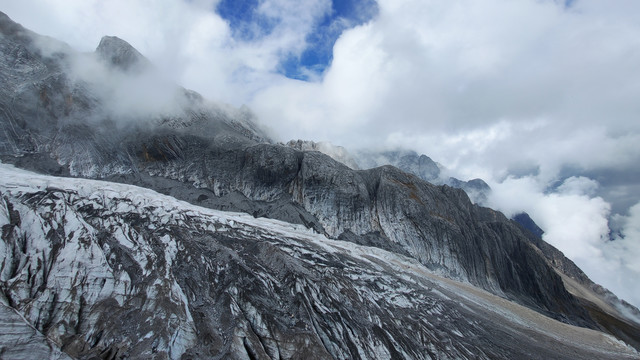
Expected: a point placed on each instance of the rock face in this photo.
(421, 166)
(104, 269)
(426, 169)
(525, 221)
(408, 161)
(601, 304)
(116, 271)
(437, 225)
(121, 54)
(337, 153)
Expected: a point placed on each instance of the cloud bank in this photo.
(537, 97)
(577, 222)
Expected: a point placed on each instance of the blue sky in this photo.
(248, 24)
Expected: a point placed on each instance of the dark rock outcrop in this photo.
(425, 168)
(526, 222)
(120, 54)
(603, 306)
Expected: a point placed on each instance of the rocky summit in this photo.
(154, 223)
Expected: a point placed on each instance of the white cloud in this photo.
(515, 92)
(576, 222)
(578, 186)
(186, 40)
(447, 68)
(628, 246)
(488, 88)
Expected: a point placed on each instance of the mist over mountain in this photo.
(421, 166)
(175, 227)
(518, 94)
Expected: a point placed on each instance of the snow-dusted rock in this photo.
(93, 268)
(112, 270)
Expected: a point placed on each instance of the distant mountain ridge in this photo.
(121, 54)
(409, 161)
(57, 120)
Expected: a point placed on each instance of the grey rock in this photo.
(476, 189)
(421, 166)
(121, 54)
(602, 305)
(337, 153)
(116, 271)
(217, 157)
(425, 168)
(409, 161)
(527, 222)
(21, 340)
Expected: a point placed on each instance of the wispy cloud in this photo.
(539, 98)
(576, 221)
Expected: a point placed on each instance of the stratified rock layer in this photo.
(108, 274)
(116, 271)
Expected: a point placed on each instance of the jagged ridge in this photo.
(206, 156)
(117, 271)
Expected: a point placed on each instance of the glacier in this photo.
(94, 268)
(183, 231)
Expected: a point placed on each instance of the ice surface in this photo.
(384, 304)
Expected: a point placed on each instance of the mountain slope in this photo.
(112, 270)
(421, 166)
(57, 119)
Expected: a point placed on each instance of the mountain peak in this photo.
(405, 268)
(121, 54)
